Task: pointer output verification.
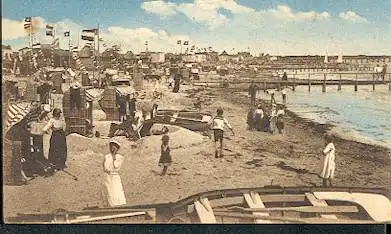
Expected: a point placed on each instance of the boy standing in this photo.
(217, 124)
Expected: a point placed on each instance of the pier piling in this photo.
(309, 82)
(264, 86)
(373, 81)
(340, 82)
(324, 83)
(356, 85)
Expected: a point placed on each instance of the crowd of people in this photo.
(261, 117)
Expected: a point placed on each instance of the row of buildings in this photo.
(111, 57)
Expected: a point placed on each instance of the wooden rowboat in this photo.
(263, 205)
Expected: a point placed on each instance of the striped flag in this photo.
(87, 38)
(179, 42)
(94, 31)
(67, 34)
(27, 19)
(186, 43)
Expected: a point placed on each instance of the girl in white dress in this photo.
(113, 191)
(328, 162)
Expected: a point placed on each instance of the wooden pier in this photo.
(277, 83)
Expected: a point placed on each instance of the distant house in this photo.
(195, 58)
(157, 57)
(224, 56)
(6, 52)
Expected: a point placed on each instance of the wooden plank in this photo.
(283, 198)
(254, 201)
(320, 203)
(303, 209)
(204, 211)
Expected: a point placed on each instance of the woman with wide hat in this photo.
(58, 143)
(113, 191)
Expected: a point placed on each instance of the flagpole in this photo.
(98, 63)
(69, 48)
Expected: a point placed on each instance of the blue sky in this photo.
(276, 27)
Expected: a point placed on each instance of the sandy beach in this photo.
(252, 159)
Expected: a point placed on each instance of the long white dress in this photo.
(328, 162)
(113, 191)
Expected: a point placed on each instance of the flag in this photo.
(36, 44)
(27, 26)
(179, 42)
(50, 27)
(146, 43)
(193, 47)
(94, 30)
(27, 19)
(87, 38)
(49, 33)
(186, 43)
(67, 34)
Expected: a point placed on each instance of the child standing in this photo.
(218, 123)
(165, 156)
(328, 169)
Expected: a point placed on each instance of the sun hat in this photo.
(115, 143)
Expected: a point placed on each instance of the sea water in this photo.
(363, 116)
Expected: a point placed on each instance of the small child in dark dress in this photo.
(165, 157)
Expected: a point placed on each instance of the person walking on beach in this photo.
(328, 168)
(283, 92)
(273, 118)
(165, 156)
(252, 91)
(258, 118)
(113, 191)
(217, 124)
(280, 119)
(177, 82)
(58, 142)
(250, 119)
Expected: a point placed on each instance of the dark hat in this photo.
(56, 111)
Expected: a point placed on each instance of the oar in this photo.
(73, 176)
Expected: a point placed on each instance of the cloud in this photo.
(160, 7)
(205, 11)
(352, 16)
(286, 13)
(11, 29)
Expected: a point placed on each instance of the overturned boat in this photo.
(263, 205)
(191, 120)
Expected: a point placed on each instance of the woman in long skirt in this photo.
(113, 191)
(58, 143)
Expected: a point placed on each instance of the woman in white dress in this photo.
(328, 169)
(113, 191)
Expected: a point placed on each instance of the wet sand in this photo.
(251, 159)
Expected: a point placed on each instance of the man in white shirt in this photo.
(217, 124)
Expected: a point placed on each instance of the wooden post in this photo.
(340, 82)
(279, 86)
(324, 83)
(373, 81)
(309, 82)
(356, 84)
(389, 82)
(264, 86)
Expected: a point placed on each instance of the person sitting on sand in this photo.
(113, 191)
(328, 168)
(165, 156)
(258, 118)
(217, 124)
(280, 119)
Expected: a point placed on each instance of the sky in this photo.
(277, 27)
